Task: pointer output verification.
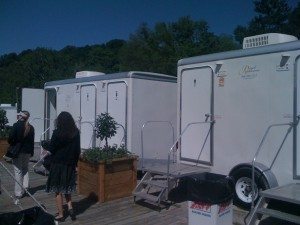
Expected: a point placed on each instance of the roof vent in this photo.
(5, 105)
(81, 74)
(266, 39)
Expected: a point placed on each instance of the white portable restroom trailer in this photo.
(134, 99)
(243, 92)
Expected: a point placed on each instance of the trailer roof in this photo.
(7, 107)
(113, 76)
(289, 46)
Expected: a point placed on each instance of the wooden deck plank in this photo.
(118, 212)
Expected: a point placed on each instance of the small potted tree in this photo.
(106, 127)
(107, 172)
(4, 132)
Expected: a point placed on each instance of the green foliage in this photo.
(32, 68)
(3, 119)
(97, 155)
(273, 16)
(106, 127)
(159, 50)
(156, 49)
(294, 21)
(4, 129)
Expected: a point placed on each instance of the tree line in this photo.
(154, 49)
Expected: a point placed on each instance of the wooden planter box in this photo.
(107, 181)
(3, 147)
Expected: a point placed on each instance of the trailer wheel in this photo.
(243, 188)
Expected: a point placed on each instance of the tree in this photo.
(32, 68)
(159, 49)
(294, 22)
(272, 17)
(3, 124)
(3, 119)
(106, 127)
(156, 49)
(137, 54)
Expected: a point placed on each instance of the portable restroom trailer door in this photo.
(116, 107)
(33, 101)
(297, 137)
(87, 115)
(50, 111)
(196, 105)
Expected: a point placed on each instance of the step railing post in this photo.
(177, 141)
(142, 135)
(291, 125)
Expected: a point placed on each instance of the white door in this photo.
(51, 112)
(196, 99)
(297, 150)
(87, 115)
(116, 107)
(33, 101)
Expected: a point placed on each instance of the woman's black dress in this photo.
(65, 151)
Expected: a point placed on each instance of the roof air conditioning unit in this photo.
(81, 74)
(267, 39)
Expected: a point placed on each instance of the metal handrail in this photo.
(41, 136)
(142, 135)
(179, 137)
(43, 119)
(93, 139)
(124, 136)
(200, 153)
(33, 198)
(94, 131)
(291, 125)
(41, 149)
(40, 118)
(44, 133)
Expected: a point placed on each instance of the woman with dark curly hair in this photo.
(65, 148)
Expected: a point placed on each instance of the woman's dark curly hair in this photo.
(65, 125)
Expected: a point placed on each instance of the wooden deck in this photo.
(119, 212)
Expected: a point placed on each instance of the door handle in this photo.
(207, 115)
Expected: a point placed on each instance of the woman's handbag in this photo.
(47, 161)
(13, 151)
(48, 158)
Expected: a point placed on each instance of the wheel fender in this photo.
(265, 171)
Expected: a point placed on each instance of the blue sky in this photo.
(54, 24)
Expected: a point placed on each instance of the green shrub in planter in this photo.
(4, 128)
(107, 153)
(106, 127)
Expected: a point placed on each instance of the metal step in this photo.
(155, 183)
(279, 215)
(146, 196)
(176, 170)
(287, 193)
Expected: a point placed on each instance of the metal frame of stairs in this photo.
(153, 187)
(286, 194)
(162, 176)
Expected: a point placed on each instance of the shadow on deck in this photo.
(118, 212)
(89, 211)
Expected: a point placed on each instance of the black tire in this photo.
(242, 197)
